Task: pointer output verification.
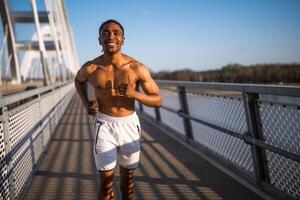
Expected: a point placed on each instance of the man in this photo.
(116, 77)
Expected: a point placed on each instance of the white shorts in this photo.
(116, 138)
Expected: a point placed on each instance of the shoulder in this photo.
(90, 66)
(137, 66)
(86, 69)
(141, 70)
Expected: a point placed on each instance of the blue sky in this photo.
(195, 34)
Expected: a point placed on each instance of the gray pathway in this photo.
(168, 170)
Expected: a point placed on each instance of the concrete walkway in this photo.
(168, 170)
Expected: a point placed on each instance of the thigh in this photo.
(129, 150)
(105, 148)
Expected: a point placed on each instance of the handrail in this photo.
(248, 88)
(282, 152)
(6, 100)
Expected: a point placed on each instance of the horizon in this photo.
(252, 65)
(198, 35)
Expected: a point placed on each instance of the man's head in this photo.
(111, 36)
(110, 21)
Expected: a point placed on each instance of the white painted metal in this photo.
(17, 77)
(47, 77)
(56, 45)
(30, 56)
(54, 33)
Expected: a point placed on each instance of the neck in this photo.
(113, 58)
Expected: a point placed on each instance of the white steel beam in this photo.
(49, 8)
(11, 41)
(27, 17)
(47, 78)
(34, 45)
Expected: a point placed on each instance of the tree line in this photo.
(237, 73)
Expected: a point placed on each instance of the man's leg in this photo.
(106, 185)
(126, 183)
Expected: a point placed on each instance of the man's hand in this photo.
(126, 90)
(92, 108)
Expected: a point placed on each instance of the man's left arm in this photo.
(151, 96)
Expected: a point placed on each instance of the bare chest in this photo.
(111, 78)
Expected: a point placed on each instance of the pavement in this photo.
(167, 170)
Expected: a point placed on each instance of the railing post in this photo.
(141, 107)
(157, 114)
(184, 108)
(42, 131)
(255, 130)
(140, 104)
(7, 148)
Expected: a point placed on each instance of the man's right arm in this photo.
(81, 79)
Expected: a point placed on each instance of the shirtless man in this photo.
(116, 77)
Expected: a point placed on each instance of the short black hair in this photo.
(110, 21)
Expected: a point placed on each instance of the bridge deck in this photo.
(168, 170)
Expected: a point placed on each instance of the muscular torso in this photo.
(106, 80)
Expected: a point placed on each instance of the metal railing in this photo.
(252, 130)
(27, 122)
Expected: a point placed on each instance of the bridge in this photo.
(207, 141)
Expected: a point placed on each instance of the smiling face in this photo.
(111, 38)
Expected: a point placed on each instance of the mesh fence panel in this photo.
(150, 111)
(225, 112)
(230, 148)
(46, 103)
(171, 100)
(284, 174)
(281, 125)
(46, 134)
(36, 144)
(56, 96)
(281, 128)
(172, 120)
(22, 161)
(4, 188)
(21, 120)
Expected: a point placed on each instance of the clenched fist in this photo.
(127, 90)
(92, 108)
